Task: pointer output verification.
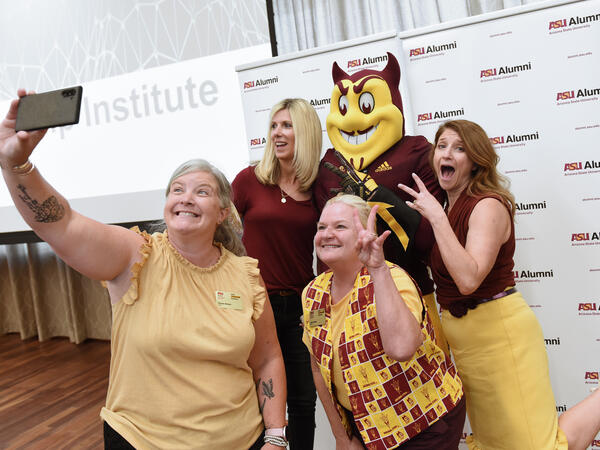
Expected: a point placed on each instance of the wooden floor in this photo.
(51, 393)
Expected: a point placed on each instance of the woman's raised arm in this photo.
(98, 251)
(489, 228)
(400, 331)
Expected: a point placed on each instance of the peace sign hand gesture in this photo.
(368, 244)
(424, 202)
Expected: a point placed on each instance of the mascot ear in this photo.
(391, 73)
(338, 74)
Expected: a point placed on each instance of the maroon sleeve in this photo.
(326, 181)
(424, 238)
(240, 190)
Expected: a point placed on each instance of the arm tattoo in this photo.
(49, 211)
(267, 391)
(267, 388)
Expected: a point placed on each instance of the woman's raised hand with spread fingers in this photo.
(424, 203)
(368, 243)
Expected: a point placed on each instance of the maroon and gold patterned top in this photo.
(391, 401)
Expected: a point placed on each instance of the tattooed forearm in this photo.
(266, 389)
(50, 210)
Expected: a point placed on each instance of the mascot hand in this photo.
(397, 215)
(350, 183)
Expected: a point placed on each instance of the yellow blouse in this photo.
(181, 338)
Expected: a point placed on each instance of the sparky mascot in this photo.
(370, 156)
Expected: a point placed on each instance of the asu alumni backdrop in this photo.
(531, 77)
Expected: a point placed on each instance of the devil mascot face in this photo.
(366, 113)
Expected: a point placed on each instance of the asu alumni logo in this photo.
(591, 377)
(320, 101)
(588, 308)
(359, 62)
(575, 96)
(514, 140)
(587, 238)
(529, 208)
(257, 141)
(581, 167)
(429, 117)
(554, 24)
(559, 25)
(504, 70)
(431, 50)
(532, 276)
(260, 83)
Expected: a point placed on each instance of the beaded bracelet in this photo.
(275, 440)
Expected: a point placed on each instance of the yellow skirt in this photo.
(501, 358)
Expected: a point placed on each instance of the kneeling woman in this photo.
(382, 380)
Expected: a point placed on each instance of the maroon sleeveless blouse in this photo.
(500, 277)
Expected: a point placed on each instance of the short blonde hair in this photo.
(308, 136)
(355, 202)
(228, 232)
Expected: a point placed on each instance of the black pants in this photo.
(114, 441)
(301, 392)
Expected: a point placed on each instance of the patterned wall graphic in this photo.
(46, 45)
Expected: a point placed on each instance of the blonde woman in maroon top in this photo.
(275, 201)
(496, 339)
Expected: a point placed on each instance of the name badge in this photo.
(228, 300)
(316, 318)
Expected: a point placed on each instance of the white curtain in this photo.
(302, 24)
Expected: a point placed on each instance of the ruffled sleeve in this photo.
(132, 293)
(259, 292)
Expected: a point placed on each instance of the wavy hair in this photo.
(229, 231)
(308, 137)
(485, 177)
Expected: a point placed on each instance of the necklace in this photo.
(284, 196)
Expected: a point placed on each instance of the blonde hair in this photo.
(485, 177)
(355, 202)
(229, 231)
(308, 137)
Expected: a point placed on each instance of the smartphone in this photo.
(49, 109)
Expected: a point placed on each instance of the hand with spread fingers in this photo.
(424, 202)
(15, 147)
(368, 244)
